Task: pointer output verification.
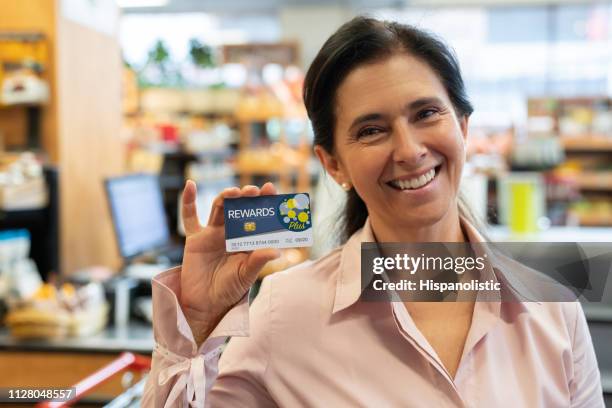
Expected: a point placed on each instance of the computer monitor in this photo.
(138, 214)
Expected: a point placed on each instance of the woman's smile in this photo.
(422, 184)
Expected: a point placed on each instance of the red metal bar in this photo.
(123, 362)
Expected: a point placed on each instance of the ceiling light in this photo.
(141, 3)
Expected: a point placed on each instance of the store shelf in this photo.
(190, 101)
(261, 118)
(587, 143)
(595, 180)
(263, 170)
(22, 105)
(595, 220)
(498, 233)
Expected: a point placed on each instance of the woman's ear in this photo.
(332, 165)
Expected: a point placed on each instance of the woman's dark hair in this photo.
(365, 40)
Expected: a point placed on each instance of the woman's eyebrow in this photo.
(419, 103)
(366, 118)
(414, 105)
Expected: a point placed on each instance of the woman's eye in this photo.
(424, 114)
(369, 131)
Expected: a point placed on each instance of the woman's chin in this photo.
(423, 220)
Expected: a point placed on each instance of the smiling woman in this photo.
(390, 117)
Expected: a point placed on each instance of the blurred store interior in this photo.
(106, 108)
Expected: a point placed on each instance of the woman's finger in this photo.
(268, 189)
(189, 211)
(249, 191)
(216, 212)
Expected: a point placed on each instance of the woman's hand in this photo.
(212, 280)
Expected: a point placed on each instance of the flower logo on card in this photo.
(294, 212)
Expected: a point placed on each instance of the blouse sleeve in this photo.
(183, 375)
(585, 386)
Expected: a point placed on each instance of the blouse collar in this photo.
(348, 285)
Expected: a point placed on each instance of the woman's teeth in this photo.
(414, 183)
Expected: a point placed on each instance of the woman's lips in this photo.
(416, 183)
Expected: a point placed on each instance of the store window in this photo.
(139, 32)
(509, 54)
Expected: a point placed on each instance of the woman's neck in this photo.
(447, 229)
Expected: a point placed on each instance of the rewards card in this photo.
(269, 221)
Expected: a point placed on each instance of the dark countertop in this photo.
(136, 337)
(606, 382)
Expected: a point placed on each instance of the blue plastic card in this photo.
(271, 221)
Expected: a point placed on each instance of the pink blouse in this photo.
(309, 341)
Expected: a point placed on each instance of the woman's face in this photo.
(398, 142)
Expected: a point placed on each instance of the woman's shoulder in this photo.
(556, 319)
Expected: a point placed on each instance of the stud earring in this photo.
(346, 186)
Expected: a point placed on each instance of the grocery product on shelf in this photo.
(583, 128)
(22, 185)
(23, 57)
(23, 86)
(59, 312)
(592, 212)
(537, 153)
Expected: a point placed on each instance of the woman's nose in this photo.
(407, 148)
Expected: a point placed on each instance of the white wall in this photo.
(311, 26)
